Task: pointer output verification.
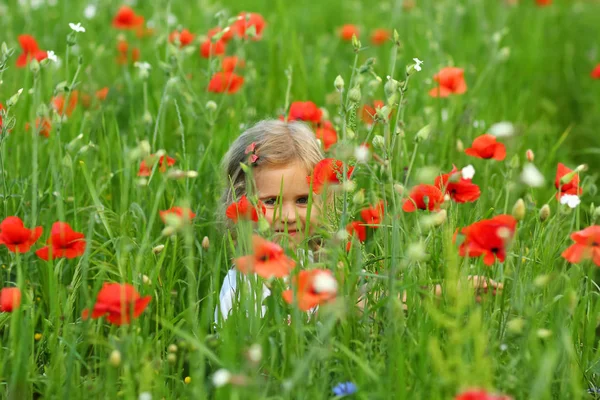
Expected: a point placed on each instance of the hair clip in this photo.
(251, 149)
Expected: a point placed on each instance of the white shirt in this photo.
(229, 289)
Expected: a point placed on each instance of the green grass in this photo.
(535, 340)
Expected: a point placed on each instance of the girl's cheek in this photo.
(269, 215)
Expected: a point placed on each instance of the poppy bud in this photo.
(115, 358)
(355, 43)
(147, 118)
(171, 358)
(580, 168)
(541, 281)
(146, 280)
(544, 212)
(255, 353)
(359, 197)
(529, 154)
(399, 189)
(544, 333)
(192, 174)
(349, 186)
(211, 106)
(391, 87)
(342, 235)
(460, 147)
(354, 94)
(596, 214)
(172, 348)
(5, 50)
(518, 210)
(168, 231)
(514, 162)
(14, 98)
(378, 141)
(34, 66)
(396, 38)
(176, 174)
(423, 134)
(205, 243)
(516, 325)
(263, 225)
(339, 83)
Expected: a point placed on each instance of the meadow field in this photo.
(458, 255)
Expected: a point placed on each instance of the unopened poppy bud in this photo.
(355, 43)
(460, 147)
(518, 210)
(146, 280)
(399, 188)
(580, 168)
(211, 106)
(205, 243)
(529, 154)
(172, 348)
(342, 235)
(168, 231)
(541, 280)
(596, 214)
(516, 325)
(192, 174)
(544, 333)
(339, 83)
(115, 358)
(158, 249)
(359, 197)
(378, 141)
(423, 134)
(350, 133)
(391, 87)
(354, 94)
(147, 117)
(374, 84)
(544, 212)
(396, 37)
(514, 162)
(348, 186)
(176, 174)
(171, 358)
(34, 66)
(263, 225)
(383, 113)
(14, 98)
(4, 49)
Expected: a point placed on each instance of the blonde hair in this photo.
(276, 143)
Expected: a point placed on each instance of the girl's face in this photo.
(284, 190)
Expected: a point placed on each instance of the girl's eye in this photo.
(302, 200)
(270, 201)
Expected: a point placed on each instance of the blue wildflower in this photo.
(345, 389)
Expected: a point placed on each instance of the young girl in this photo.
(282, 155)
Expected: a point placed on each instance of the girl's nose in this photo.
(288, 213)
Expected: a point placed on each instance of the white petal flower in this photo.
(77, 27)
(468, 172)
(144, 66)
(502, 129)
(417, 64)
(570, 200)
(325, 283)
(52, 56)
(531, 176)
(221, 377)
(90, 11)
(362, 154)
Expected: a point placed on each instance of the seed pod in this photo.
(115, 358)
(544, 212)
(518, 210)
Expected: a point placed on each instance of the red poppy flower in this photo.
(418, 195)
(461, 190)
(181, 212)
(58, 103)
(10, 299)
(571, 187)
(118, 302)
(30, 51)
(102, 93)
(16, 237)
(450, 80)
(357, 229)
(326, 134)
(226, 37)
(145, 170)
(229, 64)
(543, 2)
(126, 18)
(209, 49)
(380, 36)
(305, 111)
(185, 37)
(63, 242)
(135, 55)
(486, 147)
(586, 246)
(488, 238)
(313, 287)
(246, 21)
(327, 172)
(245, 210)
(43, 125)
(368, 112)
(480, 394)
(373, 215)
(595, 74)
(347, 31)
(268, 260)
(225, 82)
